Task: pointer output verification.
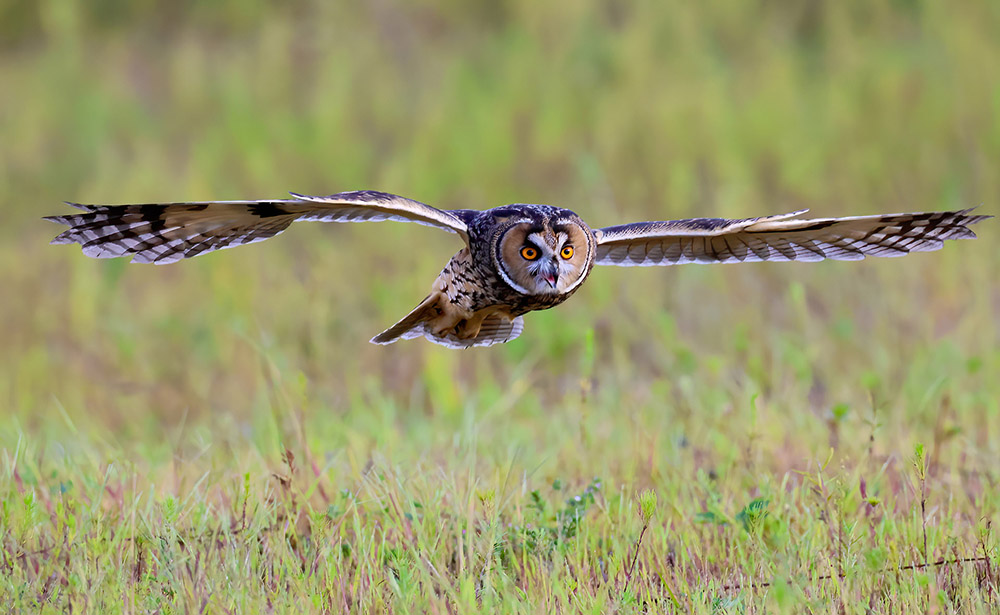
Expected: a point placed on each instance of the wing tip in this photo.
(59, 220)
(74, 219)
(82, 206)
(975, 219)
(963, 219)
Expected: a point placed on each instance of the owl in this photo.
(515, 258)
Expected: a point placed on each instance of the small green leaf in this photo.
(840, 411)
(752, 513)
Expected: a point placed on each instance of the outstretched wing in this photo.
(373, 206)
(165, 233)
(779, 238)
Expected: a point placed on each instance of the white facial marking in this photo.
(549, 273)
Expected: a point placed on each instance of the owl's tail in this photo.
(411, 325)
(434, 320)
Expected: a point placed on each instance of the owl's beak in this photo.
(550, 273)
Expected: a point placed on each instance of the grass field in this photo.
(218, 435)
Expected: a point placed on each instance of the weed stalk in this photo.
(647, 510)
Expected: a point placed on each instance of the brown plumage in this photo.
(780, 238)
(516, 259)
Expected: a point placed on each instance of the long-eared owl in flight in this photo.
(516, 258)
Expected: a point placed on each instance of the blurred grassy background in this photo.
(620, 112)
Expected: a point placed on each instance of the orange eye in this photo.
(528, 253)
(567, 252)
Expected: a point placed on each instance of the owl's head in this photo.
(542, 250)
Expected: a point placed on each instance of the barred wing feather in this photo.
(164, 233)
(779, 238)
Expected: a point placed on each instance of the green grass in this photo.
(218, 435)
